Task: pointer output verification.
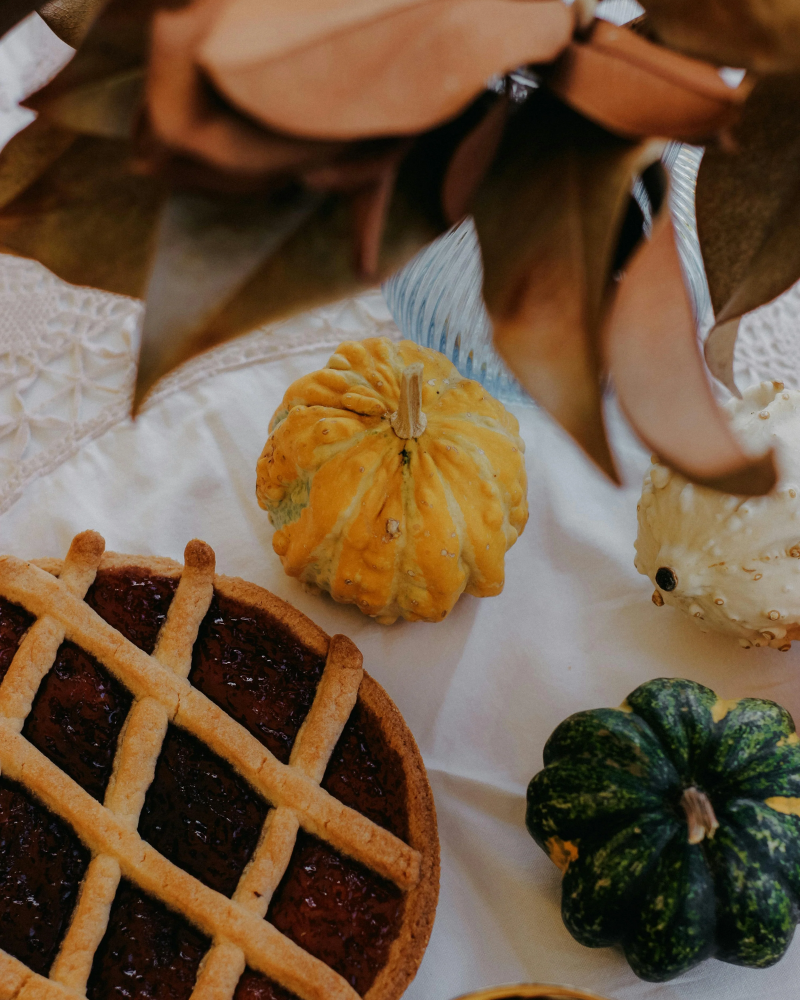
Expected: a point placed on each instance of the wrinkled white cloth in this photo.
(481, 691)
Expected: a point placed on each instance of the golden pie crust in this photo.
(53, 591)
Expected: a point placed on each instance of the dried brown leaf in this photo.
(624, 82)
(207, 248)
(317, 264)
(401, 67)
(651, 350)
(28, 155)
(71, 19)
(87, 218)
(748, 213)
(761, 35)
(472, 160)
(720, 353)
(549, 217)
(117, 42)
(186, 117)
(107, 108)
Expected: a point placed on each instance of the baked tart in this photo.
(202, 794)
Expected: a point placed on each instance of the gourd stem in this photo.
(700, 815)
(409, 421)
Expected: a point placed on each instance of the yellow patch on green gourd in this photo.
(788, 741)
(721, 708)
(784, 804)
(561, 852)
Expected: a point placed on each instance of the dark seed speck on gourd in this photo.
(666, 579)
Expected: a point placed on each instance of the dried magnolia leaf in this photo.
(760, 35)
(370, 183)
(400, 69)
(549, 217)
(207, 248)
(187, 118)
(28, 155)
(720, 353)
(748, 214)
(116, 43)
(370, 206)
(743, 184)
(472, 160)
(317, 264)
(71, 19)
(651, 350)
(107, 108)
(87, 218)
(635, 88)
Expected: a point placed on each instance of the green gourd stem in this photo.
(409, 421)
(700, 817)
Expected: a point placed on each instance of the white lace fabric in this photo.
(68, 363)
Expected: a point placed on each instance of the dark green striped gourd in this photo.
(676, 822)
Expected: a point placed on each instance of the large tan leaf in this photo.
(318, 264)
(71, 19)
(352, 70)
(28, 155)
(115, 43)
(472, 160)
(207, 248)
(635, 88)
(762, 35)
(107, 108)
(186, 118)
(549, 217)
(748, 213)
(651, 350)
(87, 218)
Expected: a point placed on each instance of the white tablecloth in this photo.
(574, 629)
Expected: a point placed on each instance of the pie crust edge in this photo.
(408, 948)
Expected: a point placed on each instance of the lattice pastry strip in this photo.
(38, 649)
(281, 784)
(118, 849)
(134, 767)
(163, 694)
(335, 699)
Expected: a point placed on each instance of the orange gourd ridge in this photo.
(394, 507)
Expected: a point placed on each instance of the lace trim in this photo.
(67, 363)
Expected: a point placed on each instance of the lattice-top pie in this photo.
(202, 794)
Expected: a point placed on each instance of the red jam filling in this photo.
(200, 814)
(368, 775)
(42, 864)
(148, 952)
(254, 986)
(339, 911)
(247, 663)
(134, 603)
(77, 716)
(14, 623)
(80, 708)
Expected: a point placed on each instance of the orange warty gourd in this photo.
(394, 483)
